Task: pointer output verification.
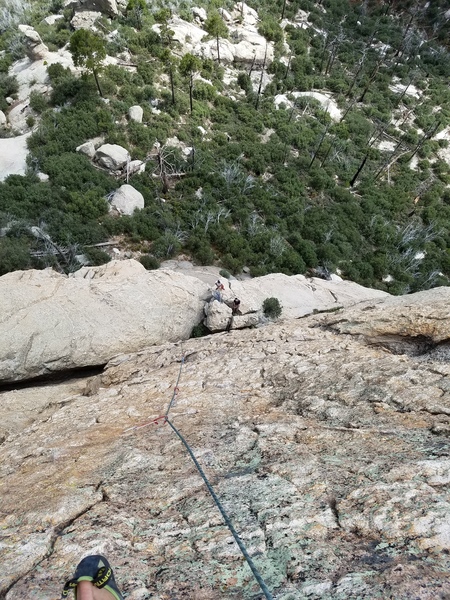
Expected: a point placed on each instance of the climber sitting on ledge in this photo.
(93, 580)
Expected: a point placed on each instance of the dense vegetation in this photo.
(285, 190)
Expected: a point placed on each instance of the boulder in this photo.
(112, 156)
(2, 119)
(52, 19)
(36, 49)
(209, 50)
(245, 14)
(200, 13)
(87, 148)
(189, 35)
(136, 113)
(127, 199)
(136, 166)
(85, 19)
(218, 316)
(226, 16)
(51, 322)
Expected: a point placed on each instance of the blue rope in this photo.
(229, 524)
(175, 389)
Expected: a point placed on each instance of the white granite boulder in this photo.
(136, 166)
(52, 19)
(112, 156)
(2, 119)
(51, 322)
(85, 19)
(218, 316)
(200, 13)
(127, 199)
(36, 49)
(87, 148)
(136, 113)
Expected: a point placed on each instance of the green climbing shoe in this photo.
(94, 568)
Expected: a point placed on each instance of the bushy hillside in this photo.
(260, 174)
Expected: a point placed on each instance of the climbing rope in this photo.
(165, 419)
(226, 518)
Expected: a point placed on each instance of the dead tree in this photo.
(261, 80)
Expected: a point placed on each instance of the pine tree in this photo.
(215, 26)
(88, 50)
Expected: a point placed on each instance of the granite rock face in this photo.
(329, 452)
(51, 322)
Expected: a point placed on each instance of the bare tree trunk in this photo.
(172, 85)
(284, 8)
(261, 80)
(191, 88)
(97, 82)
(360, 168)
(319, 146)
(288, 66)
(388, 4)
(218, 50)
(371, 79)
(360, 68)
(331, 58)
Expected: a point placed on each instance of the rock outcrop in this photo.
(245, 45)
(329, 452)
(85, 19)
(36, 48)
(109, 7)
(51, 322)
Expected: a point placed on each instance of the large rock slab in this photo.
(301, 296)
(13, 156)
(50, 322)
(422, 319)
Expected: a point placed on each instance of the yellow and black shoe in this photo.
(94, 568)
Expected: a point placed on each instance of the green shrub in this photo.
(38, 102)
(96, 256)
(149, 262)
(272, 308)
(225, 273)
(14, 254)
(199, 330)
